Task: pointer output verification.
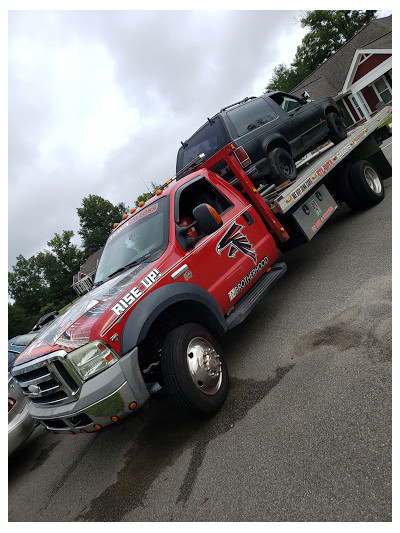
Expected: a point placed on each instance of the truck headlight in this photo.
(92, 358)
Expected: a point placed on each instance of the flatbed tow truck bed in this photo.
(316, 169)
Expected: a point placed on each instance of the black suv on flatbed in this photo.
(269, 132)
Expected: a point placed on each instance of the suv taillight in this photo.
(242, 157)
(11, 403)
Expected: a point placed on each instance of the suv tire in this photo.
(281, 165)
(337, 129)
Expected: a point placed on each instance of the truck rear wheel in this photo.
(194, 373)
(281, 165)
(366, 183)
(337, 129)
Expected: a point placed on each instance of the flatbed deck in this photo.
(316, 169)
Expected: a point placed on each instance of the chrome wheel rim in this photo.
(372, 178)
(204, 365)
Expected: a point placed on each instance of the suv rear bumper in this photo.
(103, 399)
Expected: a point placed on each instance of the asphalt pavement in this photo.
(304, 436)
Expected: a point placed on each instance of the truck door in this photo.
(225, 262)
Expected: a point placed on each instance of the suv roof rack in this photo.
(237, 103)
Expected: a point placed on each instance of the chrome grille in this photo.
(48, 380)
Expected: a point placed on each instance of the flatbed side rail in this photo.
(265, 212)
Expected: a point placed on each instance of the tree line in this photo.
(43, 283)
(327, 32)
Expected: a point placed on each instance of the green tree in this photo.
(26, 284)
(58, 265)
(328, 31)
(283, 79)
(19, 321)
(146, 195)
(97, 217)
(43, 282)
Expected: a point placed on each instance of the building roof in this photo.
(90, 264)
(328, 79)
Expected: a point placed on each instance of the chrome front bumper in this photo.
(101, 401)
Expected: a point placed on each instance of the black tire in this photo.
(366, 184)
(281, 165)
(345, 190)
(337, 129)
(194, 372)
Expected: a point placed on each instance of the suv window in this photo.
(208, 140)
(250, 116)
(289, 103)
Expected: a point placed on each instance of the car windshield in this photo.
(207, 140)
(23, 340)
(141, 238)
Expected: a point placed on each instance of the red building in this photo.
(358, 75)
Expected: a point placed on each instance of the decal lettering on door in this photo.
(237, 241)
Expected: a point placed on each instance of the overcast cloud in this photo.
(99, 100)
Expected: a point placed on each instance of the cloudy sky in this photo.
(99, 100)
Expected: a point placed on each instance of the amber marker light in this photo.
(158, 192)
(124, 216)
(83, 431)
(282, 228)
(140, 204)
(133, 210)
(379, 119)
(269, 269)
(314, 176)
(115, 418)
(366, 130)
(132, 406)
(288, 199)
(115, 225)
(97, 426)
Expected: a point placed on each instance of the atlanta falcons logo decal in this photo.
(235, 239)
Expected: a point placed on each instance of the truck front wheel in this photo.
(194, 373)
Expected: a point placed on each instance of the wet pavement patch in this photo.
(44, 455)
(364, 329)
(166, 435)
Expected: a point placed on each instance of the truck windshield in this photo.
(207, 140)
(141, 238)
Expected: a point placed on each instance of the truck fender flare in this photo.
(146, 312)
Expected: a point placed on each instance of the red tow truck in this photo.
(180, 271)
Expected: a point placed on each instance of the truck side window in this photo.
(190, 196)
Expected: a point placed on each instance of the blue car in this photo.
(16, 345)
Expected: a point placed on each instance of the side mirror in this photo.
(207, 218)
(305, 96)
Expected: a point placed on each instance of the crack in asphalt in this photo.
(166, 435)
